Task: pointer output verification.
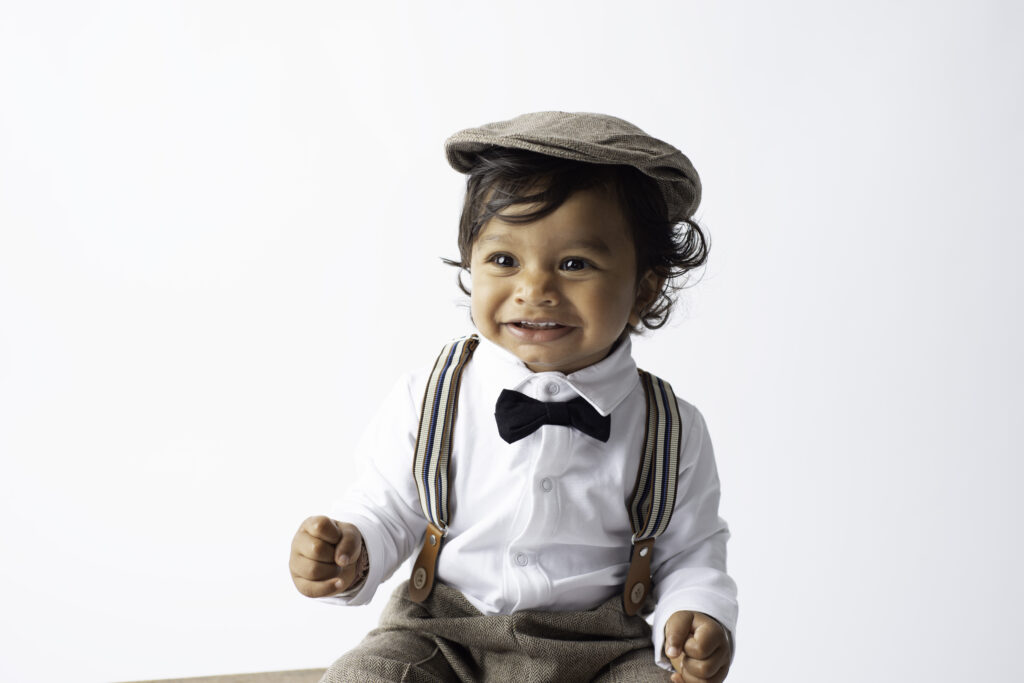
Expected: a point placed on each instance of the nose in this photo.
(536, 287)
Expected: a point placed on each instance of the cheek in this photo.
(481, 299)
(613, 300)
(611, 307)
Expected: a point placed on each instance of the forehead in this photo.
(587, 218)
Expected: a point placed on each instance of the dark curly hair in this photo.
(502, 177)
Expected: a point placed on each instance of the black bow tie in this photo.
(518, 416)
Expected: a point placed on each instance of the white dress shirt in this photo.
(542, 523)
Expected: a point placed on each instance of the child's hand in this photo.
(698, 648)
(327, 557)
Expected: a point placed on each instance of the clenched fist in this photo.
(327, 557)
(698, 647)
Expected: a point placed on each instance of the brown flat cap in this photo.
(590, 138)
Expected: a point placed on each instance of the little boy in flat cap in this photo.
(555, 493)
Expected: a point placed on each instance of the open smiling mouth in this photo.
(527, 325)
(538, 331)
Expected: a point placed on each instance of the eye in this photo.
(502, 261)
(574, 264)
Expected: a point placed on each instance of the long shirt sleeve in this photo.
(689, 568)
(383, 503)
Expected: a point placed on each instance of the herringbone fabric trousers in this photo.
(447, 639)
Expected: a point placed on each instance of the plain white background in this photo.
(220, 231)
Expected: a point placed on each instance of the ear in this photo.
(647, 290)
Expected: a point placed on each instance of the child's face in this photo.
(559, 291)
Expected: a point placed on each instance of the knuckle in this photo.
(350, 536)
(700, 668)
(324, 572)
(313, 590)
(696, 649)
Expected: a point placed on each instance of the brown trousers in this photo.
(447, 639)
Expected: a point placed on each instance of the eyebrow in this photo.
(596, 245)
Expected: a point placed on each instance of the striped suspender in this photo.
(433, 449)
(653, 496)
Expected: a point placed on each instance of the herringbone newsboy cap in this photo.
(590, 138)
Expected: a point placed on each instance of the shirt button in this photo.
(522, 560)
(546, 484)
(552, 388)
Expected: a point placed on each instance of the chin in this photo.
(547, 365)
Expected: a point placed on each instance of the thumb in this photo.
(677, 630)
(350, 545)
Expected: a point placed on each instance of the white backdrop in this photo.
(220, 225)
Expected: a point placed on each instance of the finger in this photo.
(312, 570)
(323, 528)
(708, 636)
(677, 665)
(695, 650)
(346, 576)
(349, 547)
(318, 589)
(687, 677)
(311, 547)
(706, 669)
(677, 629)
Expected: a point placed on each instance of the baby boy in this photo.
(565, 494)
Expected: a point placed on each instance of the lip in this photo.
(537, 335)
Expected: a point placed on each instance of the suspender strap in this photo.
(433, 450)
(654, 494)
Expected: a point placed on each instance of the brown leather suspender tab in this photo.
(426, 563)
(638, 581)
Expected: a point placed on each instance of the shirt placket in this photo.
(540, 508)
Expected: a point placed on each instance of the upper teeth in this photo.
(526, 323)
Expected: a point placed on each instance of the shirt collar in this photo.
(604, 385)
